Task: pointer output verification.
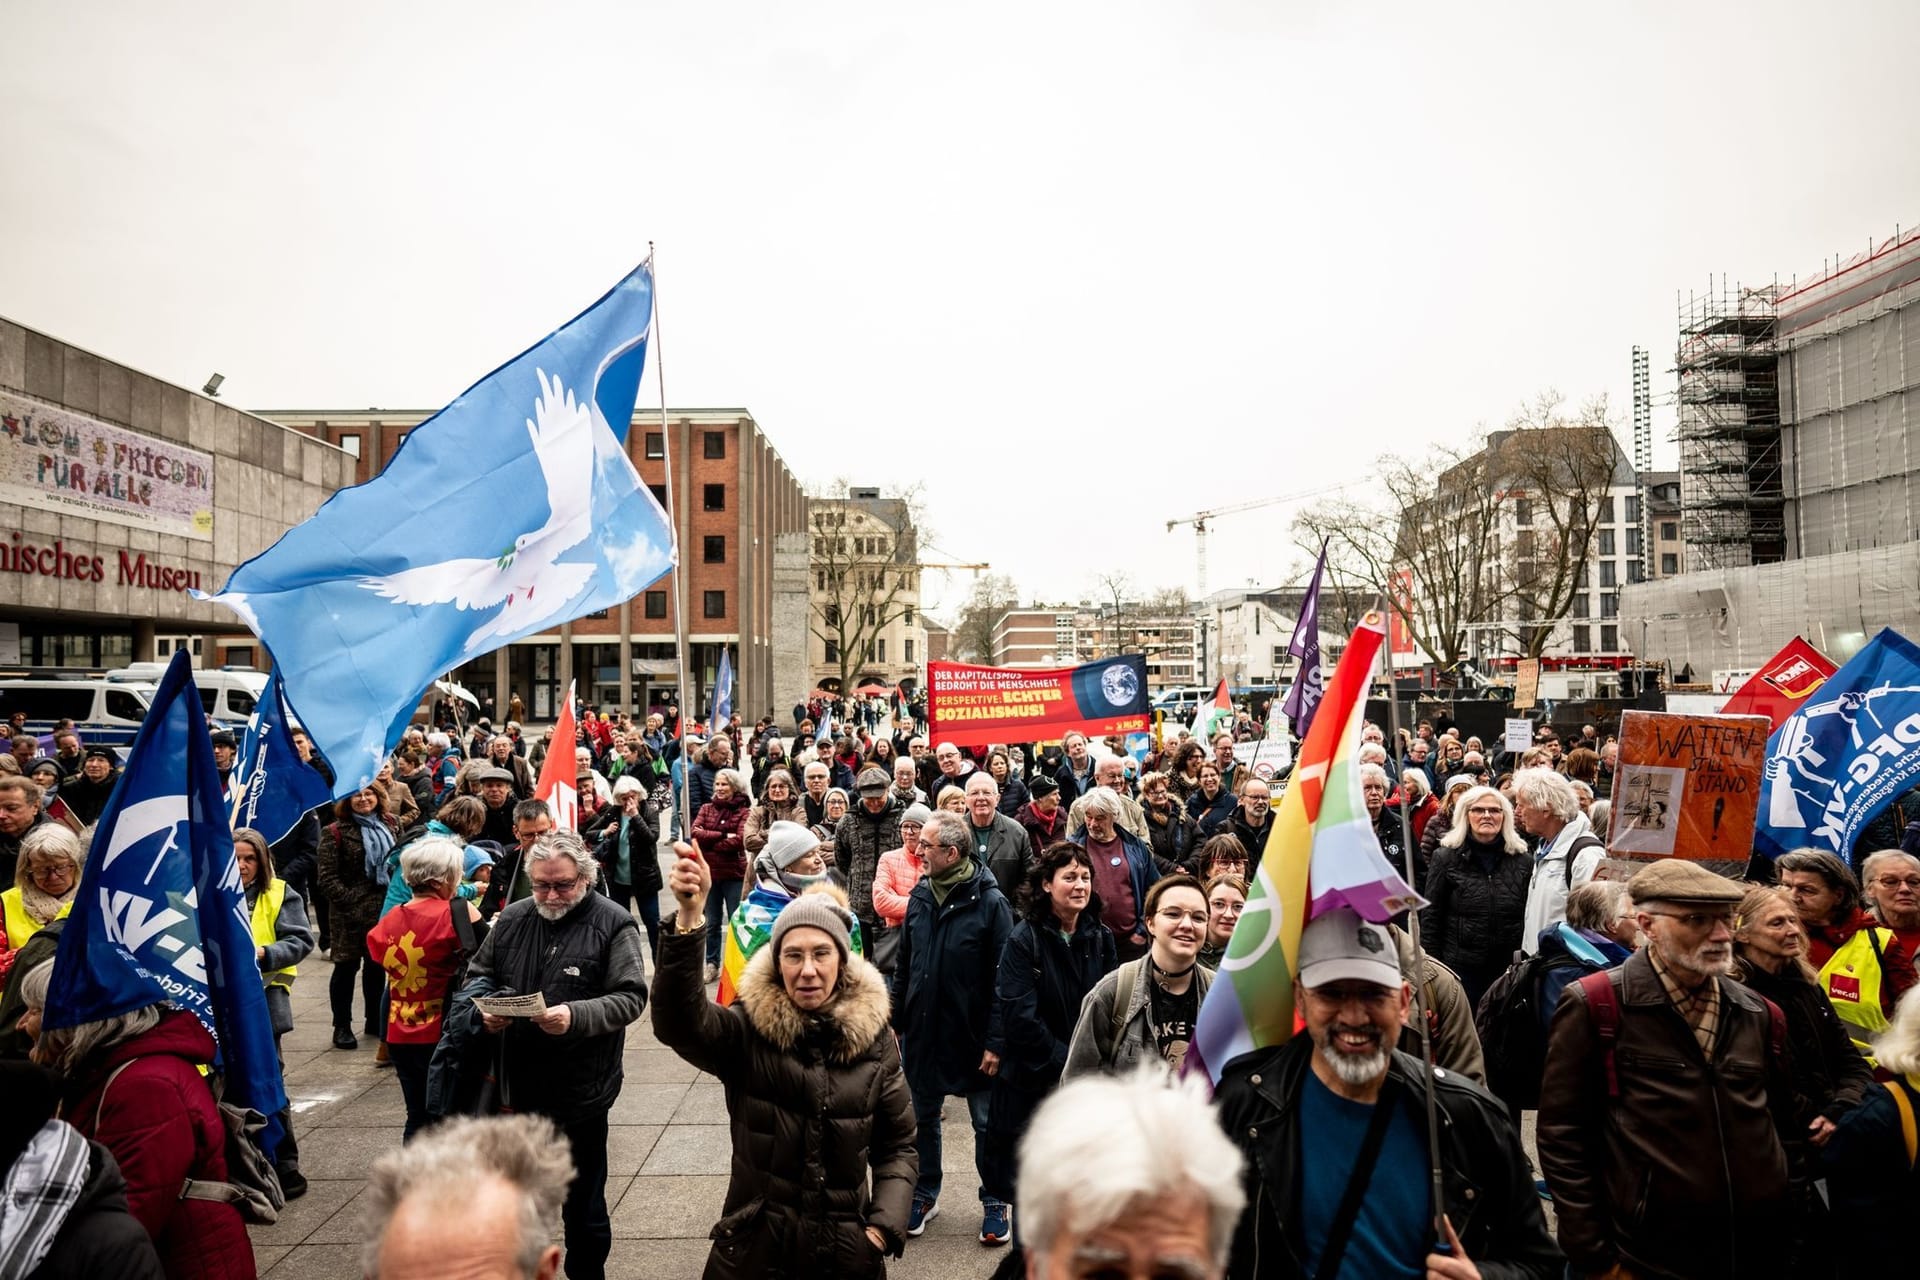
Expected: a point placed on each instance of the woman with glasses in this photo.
(1145, 1010)
(1226, 899)
(1893, 891)
(1223, 855)
(1477, 891)
(779, 802)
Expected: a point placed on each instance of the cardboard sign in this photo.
(1526, 683)
(1687, 786)
(1519, 735)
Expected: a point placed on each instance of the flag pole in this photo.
(1420, 1008)
(679, 614)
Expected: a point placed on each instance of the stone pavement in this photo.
(668, 1150)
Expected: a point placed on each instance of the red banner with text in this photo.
(973, 706)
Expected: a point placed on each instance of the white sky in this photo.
(1081, 268)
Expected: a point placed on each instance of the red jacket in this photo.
(160, 1122)
(717, 829)
(1825, 939)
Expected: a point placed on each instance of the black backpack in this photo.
(1512, 1030)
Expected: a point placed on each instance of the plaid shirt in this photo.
(1700, 1006)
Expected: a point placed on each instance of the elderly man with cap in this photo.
(86, 792)
(821, 1118)
(1362, 1205)
(495, 787)
(871, 827)
(1668, 1119)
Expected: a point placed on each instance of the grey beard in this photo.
(1355, 1070)
(557, 910)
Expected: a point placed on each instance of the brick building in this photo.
(731, 495)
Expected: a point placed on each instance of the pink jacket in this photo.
(892, 882)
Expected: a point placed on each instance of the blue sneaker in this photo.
(924, 1211)
(996, 1223)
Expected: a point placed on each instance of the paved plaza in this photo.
(667, 1150)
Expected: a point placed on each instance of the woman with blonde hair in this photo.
(45, 879)
(1477, 891)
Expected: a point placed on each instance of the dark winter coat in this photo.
(1009, 852)
(99, 1237)
(1474, 918)
(353, 896)
(643, 859)
(1040, 831)
(85, 798)
(822, 1121)
(1873, 1187)
(1827, 1070)
(943, 981)
(161, 1124)
(1210, 817)
(858, 841)
(590, 959)
(1014, 796)
(1043, 981)
(1252, 839)
(717, 826)
(1488, 1186)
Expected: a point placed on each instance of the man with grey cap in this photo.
(822, 1122)
(1362, 1206)
(870, 828)
(1668, 1118)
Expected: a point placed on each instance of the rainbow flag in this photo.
(751, 927)
(1320, 855)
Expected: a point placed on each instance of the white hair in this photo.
(985, 780)
(565, 844)
(1547, 790)
(446, 1163)
(1374, 773)
(1104, 1147)
(1372, 753)
(432, 860)
(1457, 834)
(439, 740)
(1414, 783)
(1102, 800)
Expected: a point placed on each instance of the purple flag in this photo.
(1308, 682)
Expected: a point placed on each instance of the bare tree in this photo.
(1132, 624)
(1558, 472)
(992, 595)
(865, 570)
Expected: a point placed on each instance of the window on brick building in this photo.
(714, 444)
(659, 492)
(715, 603)
(351, 443)
(714, 548)
(656, 445)
(656, 604)
(713, 497)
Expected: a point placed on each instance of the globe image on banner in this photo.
(1120, 685)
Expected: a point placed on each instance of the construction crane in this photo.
(977, 568)
(1200, 518)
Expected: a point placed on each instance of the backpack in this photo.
(1603, 997)
(1508, 1019)
(1579, 846)
(252, 1185)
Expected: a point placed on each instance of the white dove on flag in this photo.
(526, 576)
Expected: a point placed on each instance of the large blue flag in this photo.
(161, 915)
(274, 785)
(1850, 750)
(1309, 684)
(723, 692)
(512, 510)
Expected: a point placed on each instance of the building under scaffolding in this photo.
(1732, 495)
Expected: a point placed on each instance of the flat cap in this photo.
(493, 773)
(1677, 880)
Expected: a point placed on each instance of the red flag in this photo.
(558, 776)
(1777, 689)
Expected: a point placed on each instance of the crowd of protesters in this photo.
(861, 924)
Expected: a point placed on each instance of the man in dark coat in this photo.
(582, 954)
(20, 812)
(870, 828)
(822, 1120)
(943, 995)
(86, 793)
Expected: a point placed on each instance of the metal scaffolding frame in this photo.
(1732, 494)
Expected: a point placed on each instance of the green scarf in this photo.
(949, 880)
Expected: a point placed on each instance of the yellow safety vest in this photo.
(20, 925)
(266, 913)
(1851, 979)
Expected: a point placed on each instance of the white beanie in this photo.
(788, 842)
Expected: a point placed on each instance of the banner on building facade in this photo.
(973, 706)
(1687, 786)
(52, 459)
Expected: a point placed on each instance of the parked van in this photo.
(228, 694)
(104, 712)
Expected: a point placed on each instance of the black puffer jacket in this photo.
(1827, 1070)
(816, 1103)
(1043, 981)
(354, 896)
(1475, 916)
(100, 1236)
(1488, 1186)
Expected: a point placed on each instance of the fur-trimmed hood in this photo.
(858, 1014)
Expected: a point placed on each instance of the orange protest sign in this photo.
(1687, 786)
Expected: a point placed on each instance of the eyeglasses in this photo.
(554, 886)
(1174, 915)
(1697, 920)
(1228, 908)
(1897, 882)
(1484, 812)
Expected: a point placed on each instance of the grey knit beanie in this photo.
(818, 911)
(788, 842)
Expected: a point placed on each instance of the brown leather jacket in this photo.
(1690, 1171)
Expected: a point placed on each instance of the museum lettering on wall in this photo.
(134, 570)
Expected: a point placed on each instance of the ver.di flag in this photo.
(1779, 689)
(160, 914)
(511, 511)
(1320, 855)
(1850, 751)
(273, 785)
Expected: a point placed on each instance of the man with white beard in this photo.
(1361, 1206)
(583, 955)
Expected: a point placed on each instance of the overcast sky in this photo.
(1078, 268)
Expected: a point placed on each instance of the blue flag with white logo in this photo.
(273, 784)
(512, 510)
(1851, 750)
(161, 914)
(723, 692)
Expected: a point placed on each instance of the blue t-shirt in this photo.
(1391, 1235)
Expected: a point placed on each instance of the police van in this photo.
(228, 694)
(105, 712)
